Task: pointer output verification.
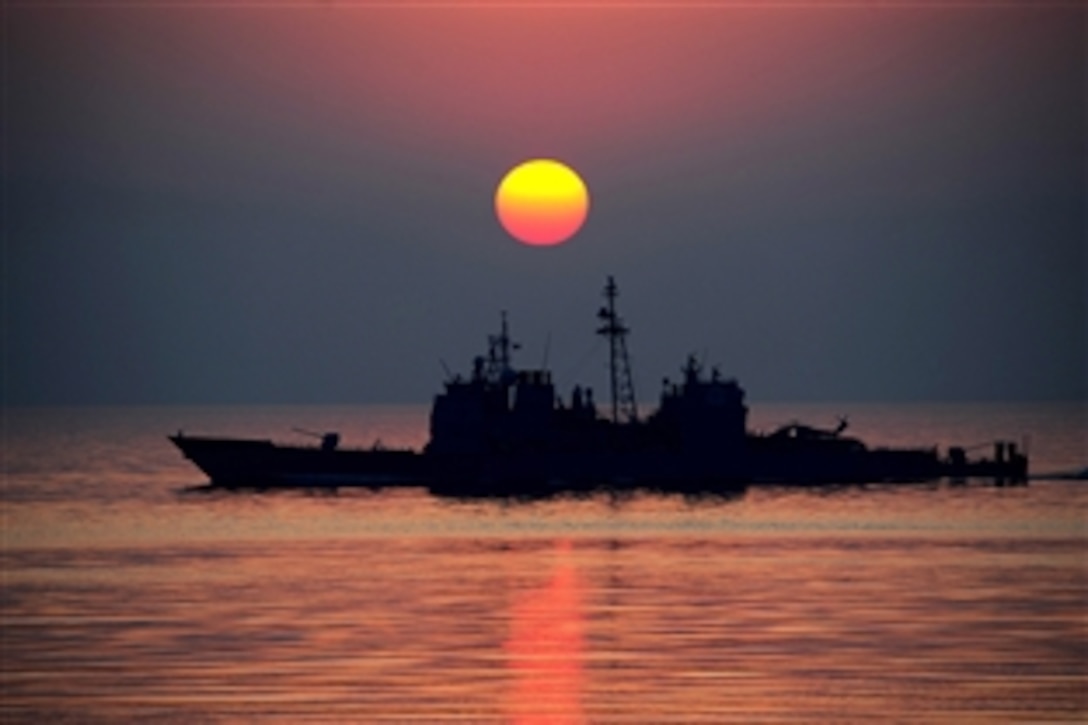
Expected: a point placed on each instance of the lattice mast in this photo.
(499, 366)
(623, 384)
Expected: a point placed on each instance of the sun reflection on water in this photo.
(545, 647)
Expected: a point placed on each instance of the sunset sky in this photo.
(224, 202)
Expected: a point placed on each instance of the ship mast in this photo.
(623, 385)
(499, 367)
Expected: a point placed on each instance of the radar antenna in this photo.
(499, 367)
(623, 385)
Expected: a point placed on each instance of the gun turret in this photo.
(329, 441)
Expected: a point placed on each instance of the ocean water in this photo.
(130, 593)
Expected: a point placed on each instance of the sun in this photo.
(542, 202)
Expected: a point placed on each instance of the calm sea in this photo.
(129, 594)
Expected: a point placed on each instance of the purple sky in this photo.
(237, 203)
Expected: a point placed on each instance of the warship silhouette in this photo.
(503, 431)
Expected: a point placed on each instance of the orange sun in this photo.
(542, 202)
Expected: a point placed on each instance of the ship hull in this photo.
(237, 462)
(545, 473)
(255, 463)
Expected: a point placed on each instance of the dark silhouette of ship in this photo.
(501, 431)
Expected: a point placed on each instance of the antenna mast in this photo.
(499, 367)
(623, 385)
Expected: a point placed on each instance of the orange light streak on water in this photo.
(545, 648)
